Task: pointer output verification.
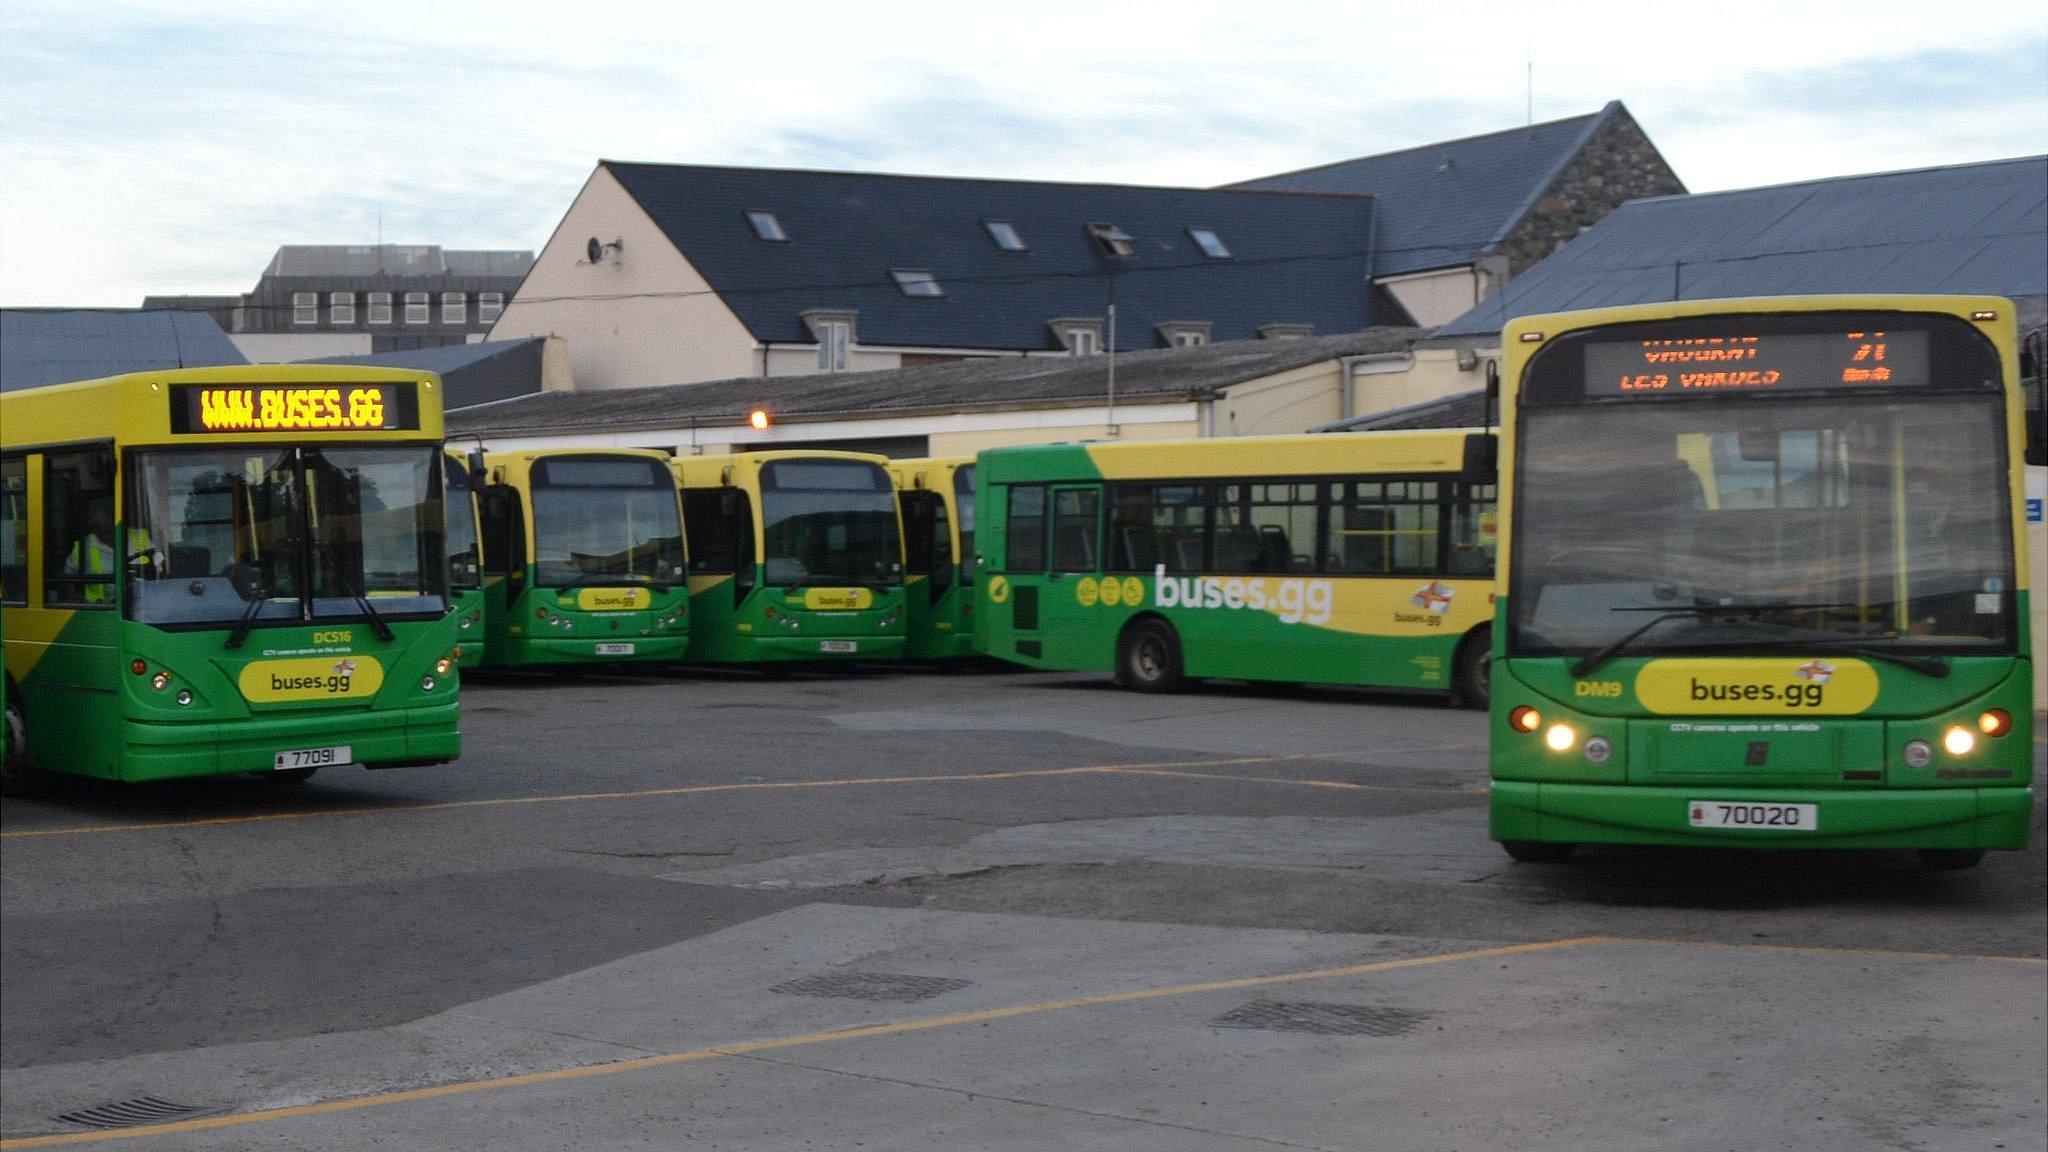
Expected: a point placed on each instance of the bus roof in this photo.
(136, 408)
(1427, 450)
(1532, 329)
(705, 471)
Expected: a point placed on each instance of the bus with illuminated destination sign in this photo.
(1361, 558)
(1760, 580)
(583, 559)
(225, 570)
(937, 499)
(794, 556)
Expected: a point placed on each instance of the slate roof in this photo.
(988, 384)
(55, 346)
(478, 373)
(1444, 204)
(1966, 228)
(1458, 410)
(344, 260)
(1295, 258)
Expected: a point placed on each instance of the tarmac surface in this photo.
(910, 909)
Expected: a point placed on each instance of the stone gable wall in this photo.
(1618, 164)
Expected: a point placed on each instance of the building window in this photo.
(489, 305)
(1190, 339)
(1286, 331)
(1184, 333)
(917, 282)
(380, 307)
(416, 311)
(1210, 243)
(1112, 241)
(833, 338)
(341, 308)
(305, 307)
(1084, 342)
(454, 308)
(1005, 235)
(766, 226)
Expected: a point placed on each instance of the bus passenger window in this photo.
(80, 551)
(1074, 529)
(1024, 539)
(14, 531)
(713, 540)
(1474, 531)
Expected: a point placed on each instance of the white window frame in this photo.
(378, 307)
(460, 307)
(1083, 341)
(305, 307)
(341, 308)
(419, 308)
(489, 306)
(835, 340)
(1190, 338)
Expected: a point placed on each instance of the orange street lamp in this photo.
(759, 419)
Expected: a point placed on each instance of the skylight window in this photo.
(1211, 244)
(916, 282)
(766, 226)
(1005, 235)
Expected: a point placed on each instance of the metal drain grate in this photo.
(130, 1113)
(1321, 1019)
(872, 986)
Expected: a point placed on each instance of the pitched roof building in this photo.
(56, 346)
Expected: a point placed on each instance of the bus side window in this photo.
(14, 530)
(1024, 536)
(713, 543)
(1473, 531)
(917, 530)
(504, 535)
(80, 548)
(1075, 528)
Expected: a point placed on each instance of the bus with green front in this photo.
(795, 556)
(937, 499)
(465, 557)
(1759, 585)
(225, 570)
(583, 560)
(1342, 558)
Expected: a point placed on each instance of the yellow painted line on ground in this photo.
(900, 1028)
(1818, 950)
(1299, 782)
(636, 794)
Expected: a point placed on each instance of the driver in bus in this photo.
(92, 554)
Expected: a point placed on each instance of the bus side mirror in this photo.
(1482, 458)
(476, 466)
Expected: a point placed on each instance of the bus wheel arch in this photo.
(17, 776)
(1148, 655)
(1472, 668)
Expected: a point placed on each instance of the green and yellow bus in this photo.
(583, 559)
(937, 498)
(794, 556)
(1759, 584)
(225, 570)
(465, 558)
(1357, 558)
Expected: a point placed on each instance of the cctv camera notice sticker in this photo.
(1811, 687)
(316, 678)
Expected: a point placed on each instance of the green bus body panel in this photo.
(467, 608)
(1632, 814)
(89, 714)
(941, 628)
(734, 628)
(520, 632)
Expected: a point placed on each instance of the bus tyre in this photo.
(1475, 670)
(1148, 658)
(1950, 859)
(16, 777)
(1538, 851)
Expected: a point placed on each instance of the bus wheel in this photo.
(1539, 851)
(1148, 659)
(1475, 670)
(16, 777)
(1950, 859)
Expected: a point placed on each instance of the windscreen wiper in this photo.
(1607, 652)
(370, 613)
(1931, 666)
(240, 632)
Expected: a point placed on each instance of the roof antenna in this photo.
(1529, 86)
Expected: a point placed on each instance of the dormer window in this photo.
(1005, 235)
(1184, 333)
(917, 282)
(1211, 244)
(833, 329)
(766, 226)
(1286, 331)
(1079, 335)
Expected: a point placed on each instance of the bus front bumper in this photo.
(519, 651)
(386, 739)
(816, 648)
(1865, 818)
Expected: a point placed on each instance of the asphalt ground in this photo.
(909, 908)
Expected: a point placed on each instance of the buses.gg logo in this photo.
(1293, 601)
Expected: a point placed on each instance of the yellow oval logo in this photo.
(1134, 591)
(838, 599)
(998, 589)
(1087, 591)
(1815, 687)
(613, 599)
(1111, 591)
(311, 678)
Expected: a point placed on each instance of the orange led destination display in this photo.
(293, 407)
(1801, 362)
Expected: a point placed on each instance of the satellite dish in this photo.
(594, 249)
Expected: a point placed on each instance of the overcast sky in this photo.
(171, 147)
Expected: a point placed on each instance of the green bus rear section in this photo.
(89, 714)
(757, 623)
(532, 627)
(941, 624)
(1850, 766)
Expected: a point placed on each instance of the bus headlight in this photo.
(1599, 750)
(1560, 737)
(1959, 741)
(442, 665)
(160, 681)
(1917, 754)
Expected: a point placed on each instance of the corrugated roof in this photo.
(1445, 203)
(993, 383)
(394, 260)
(54, 346)
(1294, 258)
(1966, 228)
